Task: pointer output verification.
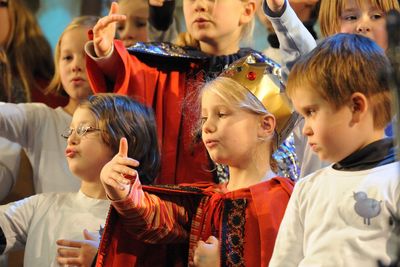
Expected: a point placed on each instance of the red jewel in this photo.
(251, 75)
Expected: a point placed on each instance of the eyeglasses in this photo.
(3, 3)
(80, 131)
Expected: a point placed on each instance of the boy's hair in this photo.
(120, 116)
(341, 65)
(55, 85)
(27, 55)
(331, 11)
(186, 39)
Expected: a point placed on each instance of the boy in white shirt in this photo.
(343, 215)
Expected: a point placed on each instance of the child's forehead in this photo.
(83, 115)
(133, 7)
(356, 4)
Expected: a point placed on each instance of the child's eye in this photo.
(140, 24)
(310, 112)
(350, 17)
(67, 58)
(203, 120)
(222, 115)
(377, 16)
(120, 27)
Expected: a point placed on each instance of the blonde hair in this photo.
(27, 54)
(341, 65)
(55, 85)
(238, 96)
(186, 39)
(331, 12)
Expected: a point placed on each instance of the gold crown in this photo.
(262, 77)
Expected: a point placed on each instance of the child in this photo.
(306, 10)
(239, 131)
(24, 75)
(134, 28)
(163, 76)
(36, 127)
(341, 89)
(96, 127)
(362, 17)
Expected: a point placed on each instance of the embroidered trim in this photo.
(178, 187)
(232, 236)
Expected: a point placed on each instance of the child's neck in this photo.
(71, 106)
(219, 49)
(93, 189)
(243, 178)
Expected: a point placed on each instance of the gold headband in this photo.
(262, 77)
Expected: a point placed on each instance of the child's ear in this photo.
(249, 8)
(359, 106)
(267, 125)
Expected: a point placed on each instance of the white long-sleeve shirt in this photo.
(37, 128)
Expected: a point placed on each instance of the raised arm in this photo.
(144, 215)
(15, 219)
(161, 14)
(294, 38)
(9, 166)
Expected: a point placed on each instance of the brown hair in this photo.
(55, 85)
(27, 55)
(120, 116)
(341, 65)
(331, 11)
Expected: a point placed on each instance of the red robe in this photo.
(169, 85)
(246, 222)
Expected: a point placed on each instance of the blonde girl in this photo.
(243, 215)
(163, 76)
(37, 127)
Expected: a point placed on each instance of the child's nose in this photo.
(363, 26)
(78, 65)
(307, 131)
(200, 5)
(208, 126)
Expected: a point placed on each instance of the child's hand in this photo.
(104, 31)
(275, 5)
(78, 253)
(207, 253)
(157, 2)
(116, 176)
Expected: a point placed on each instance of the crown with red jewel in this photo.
(262, 77)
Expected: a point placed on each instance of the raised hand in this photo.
(78, 253)
(207, 253)
(275, 5)
(116, 176)
(156, 2)
(104, 31)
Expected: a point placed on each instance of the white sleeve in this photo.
(18, 122)
(288, 250)
(9, 166)
(294, 38)
(15, 220)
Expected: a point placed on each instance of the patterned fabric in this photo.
(232, 238)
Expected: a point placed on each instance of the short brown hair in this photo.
(120, 116)
(341, 65)
(331, 11)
